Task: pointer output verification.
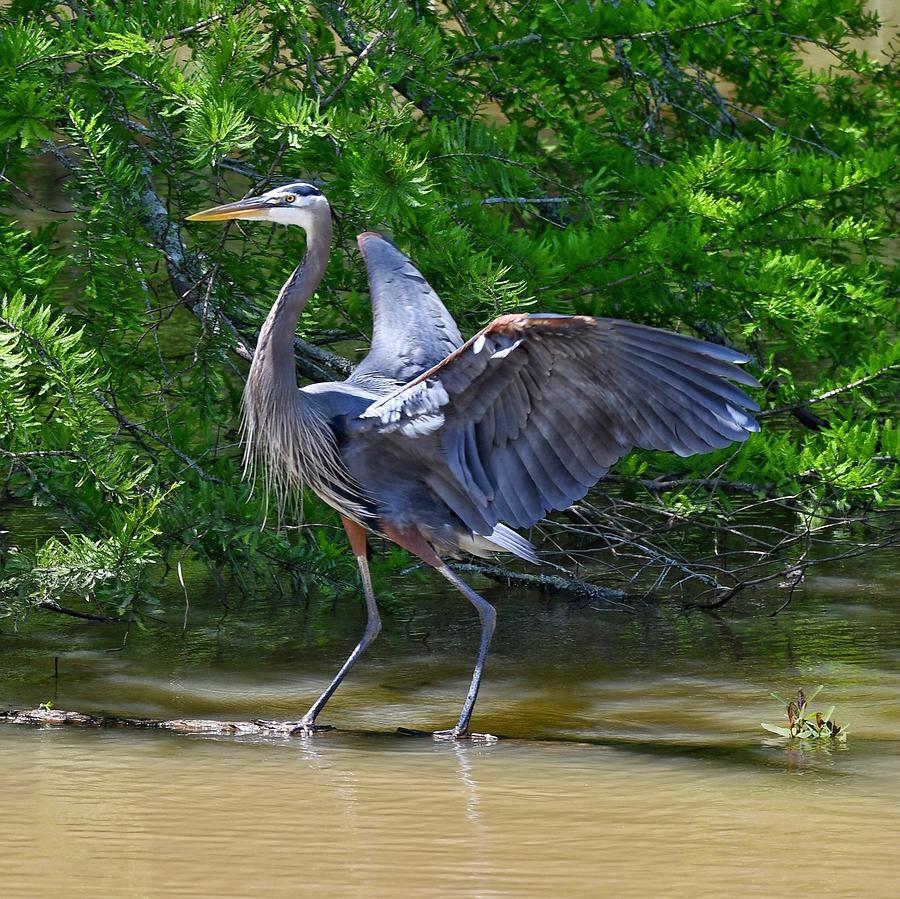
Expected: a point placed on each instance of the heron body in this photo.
(444, 445)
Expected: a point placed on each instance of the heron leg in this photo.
(487, 614)
(357, 535)
(417, 544)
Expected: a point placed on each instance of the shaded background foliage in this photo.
(684, 165)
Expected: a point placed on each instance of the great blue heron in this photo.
(434, 442)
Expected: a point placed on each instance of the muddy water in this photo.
(632, 763)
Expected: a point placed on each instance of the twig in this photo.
(203, 23)
(496, 48)
(684, 29)
(360, 59)
(40, 454)
(144, 431)
(668, 482)
(829, 394)
(523, 201)
(338, 16)
(75, 613)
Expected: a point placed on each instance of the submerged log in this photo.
(42, 717)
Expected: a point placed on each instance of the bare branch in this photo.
(497, 48)
(684, 29)
(360, 59)
(830, 394)
(546, 583)
(523, 201)
(204, 23)
(75, 613)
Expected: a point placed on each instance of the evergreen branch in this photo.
(205, 23)
(806, 198)
(339, 17)
(776, 130)
(40, 454)
(360, 59)
(130, 426)
(186, 274)
(522, 201)
(684, 29)
(241, 168)
(664, 483)
(135, 428)
(586, 291)
(497, 48)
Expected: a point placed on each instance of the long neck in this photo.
(275, 347)
(284, 432)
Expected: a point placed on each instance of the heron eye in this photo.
(290, 198)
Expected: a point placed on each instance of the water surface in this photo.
(632, 761)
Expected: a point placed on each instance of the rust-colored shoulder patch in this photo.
(560, 322)
(513, 321)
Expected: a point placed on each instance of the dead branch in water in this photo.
(42, 717)
(551, 584)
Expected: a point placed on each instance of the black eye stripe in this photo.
(300, 189)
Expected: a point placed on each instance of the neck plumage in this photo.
(275, 347)
(283, 430)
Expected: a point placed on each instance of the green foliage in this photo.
(685, 165)
(110, 568)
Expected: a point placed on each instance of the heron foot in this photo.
(308, 729)
(447, 736)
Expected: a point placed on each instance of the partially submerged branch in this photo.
(43, 717)
(547, 583)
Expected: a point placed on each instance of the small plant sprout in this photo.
(806, 725)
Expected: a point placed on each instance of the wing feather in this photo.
(412, 329)
(533, 410)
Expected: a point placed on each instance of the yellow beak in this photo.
(251, 208)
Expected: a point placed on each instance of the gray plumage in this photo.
(441, 444)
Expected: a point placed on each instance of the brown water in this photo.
(632, 763)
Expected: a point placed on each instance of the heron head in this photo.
(297, 203)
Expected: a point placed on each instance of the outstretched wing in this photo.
(533, 410)
(413, 330)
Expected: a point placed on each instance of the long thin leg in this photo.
(416, 543)
(373, 626)
(488, 617)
